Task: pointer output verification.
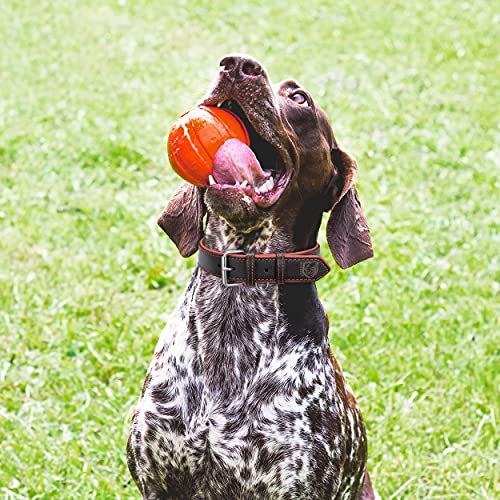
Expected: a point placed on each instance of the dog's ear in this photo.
(347, 231)
(182, 218)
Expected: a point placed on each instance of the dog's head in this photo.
(298, 171)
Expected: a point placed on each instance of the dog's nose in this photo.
(239, 67)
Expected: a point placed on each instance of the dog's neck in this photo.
(267, 237)
(248, 318)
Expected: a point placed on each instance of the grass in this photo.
(87, 92)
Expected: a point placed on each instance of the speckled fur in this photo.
(243, 402)
(243, 399)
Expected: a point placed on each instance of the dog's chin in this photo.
(241, 207)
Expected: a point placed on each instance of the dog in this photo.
(243, 398)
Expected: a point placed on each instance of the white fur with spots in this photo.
(235, 407)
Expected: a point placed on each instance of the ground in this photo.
(87, 93)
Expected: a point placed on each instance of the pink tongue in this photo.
(236, 162)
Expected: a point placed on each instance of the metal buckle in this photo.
(225, 269)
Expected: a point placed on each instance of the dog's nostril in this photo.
(251, 68)
(228, 63)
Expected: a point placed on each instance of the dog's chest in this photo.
(229, 396)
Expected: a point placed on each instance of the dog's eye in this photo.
(299, 98)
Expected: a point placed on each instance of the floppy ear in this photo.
(182, 218)
(347, 230)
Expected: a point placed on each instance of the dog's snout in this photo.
(240, 67)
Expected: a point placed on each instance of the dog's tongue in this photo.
(236, 162)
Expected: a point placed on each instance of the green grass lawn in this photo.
(87, 93)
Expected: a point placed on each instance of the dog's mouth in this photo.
(257, 173)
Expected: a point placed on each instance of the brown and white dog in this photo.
(243, 399)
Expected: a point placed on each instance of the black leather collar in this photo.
(238, 268)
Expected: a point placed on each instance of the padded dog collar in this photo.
(236, 267)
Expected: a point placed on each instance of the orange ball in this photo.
(196, 137)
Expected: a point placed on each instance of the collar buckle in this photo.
(225, 269)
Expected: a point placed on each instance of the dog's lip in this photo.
(262, 196)
(250, 195)
(264, 200)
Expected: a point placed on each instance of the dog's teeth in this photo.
(219, 104)
(266, 186)
(237, 183)
(211, 180)
(244, 183)
(256, 189)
